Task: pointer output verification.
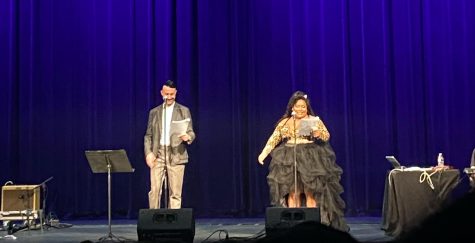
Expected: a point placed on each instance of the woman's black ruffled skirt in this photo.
(317, 172)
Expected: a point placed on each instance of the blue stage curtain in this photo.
(386, 77)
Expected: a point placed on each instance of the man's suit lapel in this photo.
(175, 113)
(159, 119)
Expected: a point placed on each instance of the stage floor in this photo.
(363, 229)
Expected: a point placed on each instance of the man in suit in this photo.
(165, 148)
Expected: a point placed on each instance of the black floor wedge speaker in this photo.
(279, 219)
(166, 225)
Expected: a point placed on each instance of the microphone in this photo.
(293, 113)
(165, 97)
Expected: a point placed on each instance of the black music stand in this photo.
(109, 161)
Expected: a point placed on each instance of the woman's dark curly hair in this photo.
(296, 96)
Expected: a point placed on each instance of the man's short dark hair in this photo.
(170, 83)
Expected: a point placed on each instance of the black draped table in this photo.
(408, 201)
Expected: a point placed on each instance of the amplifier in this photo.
(20, 197)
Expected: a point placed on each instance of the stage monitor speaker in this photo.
(166, 225)
(279, 219)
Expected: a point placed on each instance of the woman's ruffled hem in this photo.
(317, 173)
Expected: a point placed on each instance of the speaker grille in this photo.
(279, 219)
(166, 225)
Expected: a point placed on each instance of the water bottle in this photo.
(440, 160)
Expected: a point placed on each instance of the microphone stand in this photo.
(40, 212)
(165, 172)
(43, 213)
(295, 163)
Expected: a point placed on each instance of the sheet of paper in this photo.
(307, 125)
(179, 127)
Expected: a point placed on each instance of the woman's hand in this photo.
(316, 133)
(261, 158)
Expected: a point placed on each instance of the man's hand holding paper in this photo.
(185, 137)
